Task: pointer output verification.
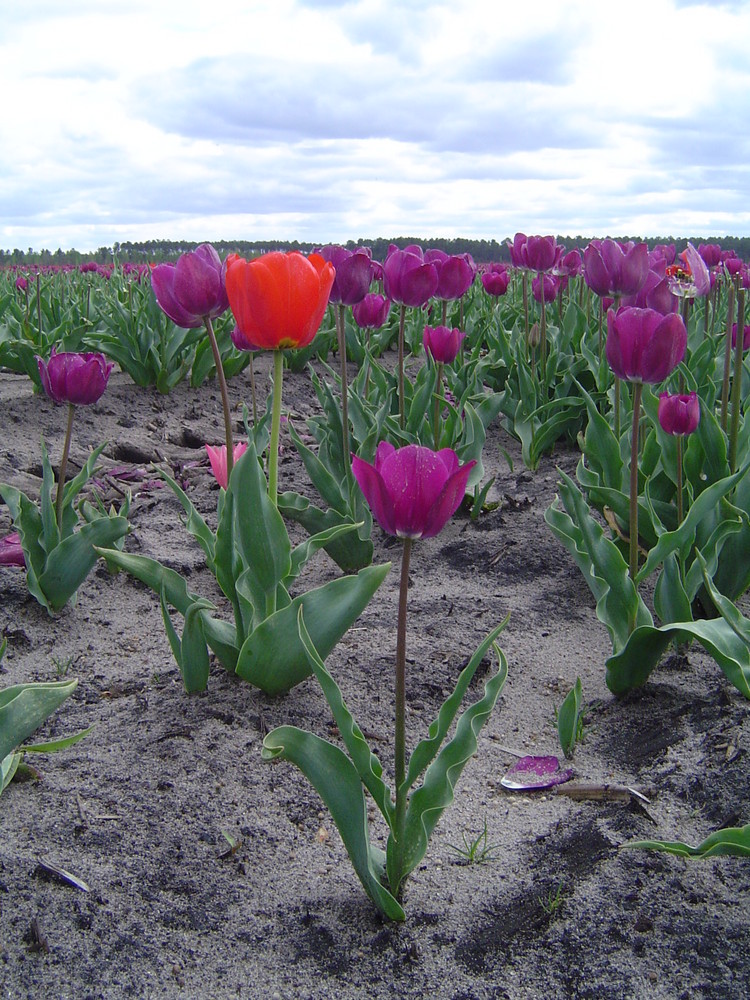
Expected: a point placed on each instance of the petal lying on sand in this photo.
(531, 773)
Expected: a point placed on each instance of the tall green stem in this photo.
(224, 396)
(436, 414)
(679, 481)
(633, 568)
(400, 735)
(341, 336)
(727, 359)
(63, 469)
(401, 404)
(273, 448)
(39, 308)
(542, 329)
(737, 381)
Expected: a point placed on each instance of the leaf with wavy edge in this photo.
(733, 840)
(338, 783)
(24, 707)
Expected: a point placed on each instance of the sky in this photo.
(325, 121)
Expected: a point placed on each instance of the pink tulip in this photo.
(412, 491)
(218, 459)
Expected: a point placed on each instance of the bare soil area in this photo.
(140, 808)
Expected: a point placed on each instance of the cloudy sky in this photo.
(326, 121)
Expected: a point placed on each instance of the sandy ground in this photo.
(139, 809)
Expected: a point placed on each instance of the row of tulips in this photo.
(412, 488)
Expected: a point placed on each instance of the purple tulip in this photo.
(79, 379)
(455, 274)
(570, 264)
(610, 269)
(11, 550)
(372, 311)
(732, 264)
(495, 279)
(412, 491)
(690, 278)
(192, 289)
(551, 287)
(653, 294)
(745, 337)
(643, 345)
(535, 253)
(679, 414)
(22, 283)
(407, 279)
(443, 343)
(711, 253)
(353, 273)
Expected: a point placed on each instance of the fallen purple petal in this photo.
(531, 773)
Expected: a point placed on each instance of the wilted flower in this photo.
(372, 311)
(218, 459)
(193, 288)
(643, 345)
(79, 379)
(279, 299)
(679, 414)
(689, 278)
(412, 491)
(443, 343)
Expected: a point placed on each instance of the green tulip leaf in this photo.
(732, 840)
(338, 783)
(24, 707)
(157, 577)
(70, 563)
(195, 524)
(567, 718)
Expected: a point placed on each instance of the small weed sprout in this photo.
(477, 851)
(62, 664)
(553, 901)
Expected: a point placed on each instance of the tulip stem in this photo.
(542, 329)
(737, 381)
(224, 395)
(63, 469)
(252, 388)
(341, 336)
(633, 568)
(436, 415)
(679, 481)
(401, 405)
(400, 705)
(727, 359)
(525, 292)
(273, 448)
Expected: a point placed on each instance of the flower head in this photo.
(610, 268)
(279, 299)
(191, 289)
(372, 311)
(218, 459)
(643, 345)
(74, 378)
(353, 273)
(455, 274)
(535, 253)
(443, 343)
(679, 414)
(412, 491)
(495, 279)
(690, 278)
(407, 278)
(11, 550)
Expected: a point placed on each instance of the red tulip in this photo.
(279, 299)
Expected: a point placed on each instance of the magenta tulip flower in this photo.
(711, 253)
(192, 289)
(455, 274)
(679, 414)
(407, 279)
(353, 273)
(22, 284)
(412, 491)
(653, 294)
(610, 269)
(372, 312)
(551, 286)
(11, 550)
(570, 264)
(643, 345)
(218, 459)
(495, 279)
(79, 379)
(745, 337)
(535, 253)
(443, 343)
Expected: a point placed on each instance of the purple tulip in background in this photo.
(11, 550)
(745, 337)
(22, 284)
(455, 274)
(218, 459)
(643, 345)
(79, 379)
(443, 343)
(192, 289)
(412, 491)
(551, 286)
(679, 414)
(535, 253)
(407, 279)
(653, 294)
(570, 264)
(372, 312)
(610, 269)
(711, 253)
(495, 279)
(353, 273)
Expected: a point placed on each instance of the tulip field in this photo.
(376, 628)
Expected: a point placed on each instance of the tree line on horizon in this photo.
(482, 251)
